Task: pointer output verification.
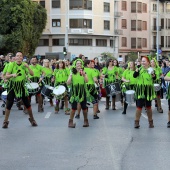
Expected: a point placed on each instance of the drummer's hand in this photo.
(26, 65)
(52, 79)
(14, 75)
(5, 80)
(83, 73)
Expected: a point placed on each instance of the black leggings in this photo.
(11, 96)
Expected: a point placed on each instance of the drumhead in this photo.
(32, 85)
(59, 90)
(49, 87)
(4, 93)
(130, 92)
(156, 85)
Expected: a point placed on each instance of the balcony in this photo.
(154, 28)
(80, 31)
(118, 32)
(118, 14)
(155, 46)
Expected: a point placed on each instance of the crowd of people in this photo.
(82, 81)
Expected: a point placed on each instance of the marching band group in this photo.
(80, 83)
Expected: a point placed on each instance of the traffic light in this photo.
(64, 51)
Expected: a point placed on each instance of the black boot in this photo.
(125, 108)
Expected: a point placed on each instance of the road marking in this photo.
(144, 116)
(47, 115)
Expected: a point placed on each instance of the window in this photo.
(144, 42)
(155, 7)
(144, 8)
(124, 24)
(139, 43)
(80, 42)
(162, 23)
(167, 41)
(106, 25)
(139, 25)
(133, 25)
(139, 7)
(124, 6)
(81, 4)
(106, 7)
(55, 3)
(111, 43)
(43, 42)
(144, 25)
(56, 23)
(58, 42)
(167, 23)
(124, 42)
(80, 23)
(133, 7)
(133, 43)
(162, 41)
(101, 42)
(42, 3)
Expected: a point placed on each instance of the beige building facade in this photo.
(91, 27)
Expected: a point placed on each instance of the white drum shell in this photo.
(130, 96)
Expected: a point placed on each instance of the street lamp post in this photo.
(66, 23)
(157, 34)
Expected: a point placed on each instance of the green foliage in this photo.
(132, 56)
(22, 23)
(106, 55)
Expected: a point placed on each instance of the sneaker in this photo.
(95, 117)
(98, 111)
(168, 124)
(77, 116)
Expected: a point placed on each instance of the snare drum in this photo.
(47, 91)
(113, 89)
(4, 96)
(157, 87)
(59, 92)
(130, 96)
(33, 88)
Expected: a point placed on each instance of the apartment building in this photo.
(91, 27)
(160, 11)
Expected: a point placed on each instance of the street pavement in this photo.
(109, 143)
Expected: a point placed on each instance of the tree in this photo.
(106, 55)
(132, 56)
(22, 23)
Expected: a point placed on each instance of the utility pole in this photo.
(66, 23)
(157, 34)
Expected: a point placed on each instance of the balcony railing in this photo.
(118, 32)
(80, 31)
(155, 47)
(154, 28)
(118, 14)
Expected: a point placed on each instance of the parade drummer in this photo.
(167, 78)
(60, 77)
(78, 79)
(47, 75)
(128, 81)
(16, 73)
(37, 78)
(92, 94)
(110, 75)
(144, 89)
(158, 72)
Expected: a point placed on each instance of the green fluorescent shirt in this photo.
(90, 74)
(14, 68)
(37, 69)
(61, 75)
(128, 75)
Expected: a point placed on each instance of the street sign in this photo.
(159, 51)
